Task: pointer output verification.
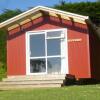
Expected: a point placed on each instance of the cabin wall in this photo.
(78, 51)
(16, 53)
(79, 57)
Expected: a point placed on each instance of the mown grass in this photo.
(86, 92)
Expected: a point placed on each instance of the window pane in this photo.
(37, 45)
(54, 34)
(54, 65)
(37, 66)
(53, 47)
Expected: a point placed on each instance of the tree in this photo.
(62, 2)
(8, 14)
(91, 9)
(98, 0)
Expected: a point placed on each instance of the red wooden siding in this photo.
(78, 52)
(79, 58)
(16, 63)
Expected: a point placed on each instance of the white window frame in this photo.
(64, 53)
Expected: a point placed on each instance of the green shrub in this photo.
(2, 71)
(3, 37)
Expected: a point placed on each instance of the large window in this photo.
(46, 51)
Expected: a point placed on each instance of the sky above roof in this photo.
(26, 4)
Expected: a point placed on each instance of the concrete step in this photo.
(31, 82)
(13, 87)
(34, 77)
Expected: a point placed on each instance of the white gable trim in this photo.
(35, 9)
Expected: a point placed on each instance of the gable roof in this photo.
(45, 9)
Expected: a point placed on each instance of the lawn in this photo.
(85, 92)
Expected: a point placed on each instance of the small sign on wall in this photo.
(75, 40)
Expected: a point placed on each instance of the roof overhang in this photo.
(36, 12)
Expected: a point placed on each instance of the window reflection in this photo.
(37, 65)
(54, 65)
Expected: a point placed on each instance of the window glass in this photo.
(53, 47)
(54, 34)
(37, 45)
(54, 65)
(37, 65)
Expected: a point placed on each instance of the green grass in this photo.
(86, 92)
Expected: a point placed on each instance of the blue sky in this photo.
(25, 4)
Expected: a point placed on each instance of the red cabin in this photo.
(49, 41)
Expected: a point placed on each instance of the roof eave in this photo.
(35, 9)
